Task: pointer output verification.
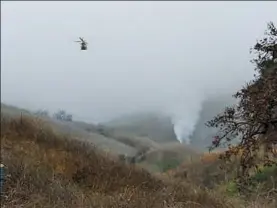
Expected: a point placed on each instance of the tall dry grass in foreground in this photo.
(47, 170)
(209, 171)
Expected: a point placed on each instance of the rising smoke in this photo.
(167, 56)
(184, 117)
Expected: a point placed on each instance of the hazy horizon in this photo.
(163, 56)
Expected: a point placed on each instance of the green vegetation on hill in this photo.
(208, 171)
(168, 156)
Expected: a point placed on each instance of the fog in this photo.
(165, 56)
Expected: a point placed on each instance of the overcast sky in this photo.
(142, 55)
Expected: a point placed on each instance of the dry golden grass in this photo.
(47, 170)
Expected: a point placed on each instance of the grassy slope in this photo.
(77, 130)
(47, 170)
(118, 139)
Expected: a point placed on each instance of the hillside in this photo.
(48, 170)
(208, 171)
(157, 127)
(168, 156)
(78, 130)
(116, 138)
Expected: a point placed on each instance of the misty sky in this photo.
(142, 55)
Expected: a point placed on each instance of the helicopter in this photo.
(84, 44)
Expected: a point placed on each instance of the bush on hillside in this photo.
(253, 122)
(62, 115)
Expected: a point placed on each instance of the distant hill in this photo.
(202, 136)
(156, 127)
(149, 134)
(126, 135)
(79, 130)
(10, 110)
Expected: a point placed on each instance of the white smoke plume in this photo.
(165, 56)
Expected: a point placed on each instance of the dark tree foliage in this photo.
(62, 116)
(249, 129)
